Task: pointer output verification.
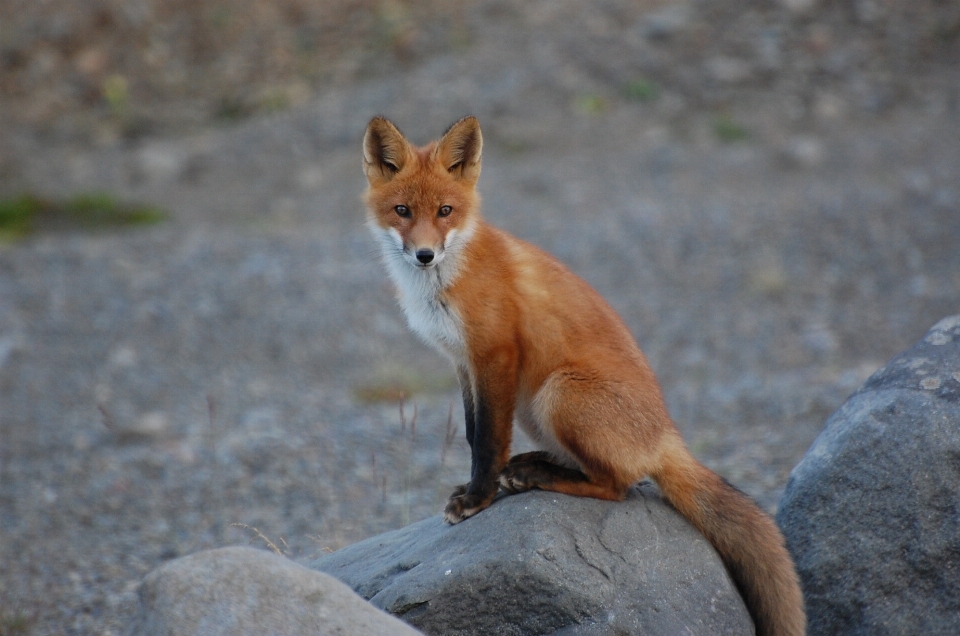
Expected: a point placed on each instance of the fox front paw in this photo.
(462, 505)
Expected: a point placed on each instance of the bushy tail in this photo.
(748, 541)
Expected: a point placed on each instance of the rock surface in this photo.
(872, 512)
(543, 563)
(247, 591)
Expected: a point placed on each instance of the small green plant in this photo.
(642, 90)
(274, 100)
(395, 27)
(16, 622)
(28, 213)
(591, 104)
(99, 209)
(460, 37)
(116, 92)
(220, 17)
(728, 130)
(516, 145)
(949, 30)
(16, 215)
(231, 108)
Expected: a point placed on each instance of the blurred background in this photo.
(198, 346)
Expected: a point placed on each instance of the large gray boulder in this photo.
(243, 591)
(543, 563)
(872, 512)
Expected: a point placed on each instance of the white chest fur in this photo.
(429, 316)
(421, 294)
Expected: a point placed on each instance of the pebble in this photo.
(829, 107)
(799, 7)
(728, 70)
(668, 21)
(160, 161)
(804, 152)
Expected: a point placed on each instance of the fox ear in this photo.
(385, 150)
(459, 149)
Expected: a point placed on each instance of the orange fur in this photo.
(533, 342)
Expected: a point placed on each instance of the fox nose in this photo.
(425, 255)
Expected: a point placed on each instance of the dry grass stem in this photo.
(266, 539)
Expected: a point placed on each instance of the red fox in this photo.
(531, 340)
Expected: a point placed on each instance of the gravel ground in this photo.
(775, 211)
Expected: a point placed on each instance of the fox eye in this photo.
(402, 210)
(445, 211)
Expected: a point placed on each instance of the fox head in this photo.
(422, 202)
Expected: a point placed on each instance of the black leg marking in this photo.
(484, 447)
(469, 410)
(490, 398)
(485, 443)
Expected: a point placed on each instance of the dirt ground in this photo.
(768, 192)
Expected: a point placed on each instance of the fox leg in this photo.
(607, 435)
(469, 415)
(531, 456)
(490, 398)
(525, 475)
(538, 469)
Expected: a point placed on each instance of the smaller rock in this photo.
(803, 152)
(799, 7)
(868, 11)
(241, 590)
(918, 184)
(144, 428)
(310, 178)
(153, 424)
(122, 357)
(769, 51)
(829, 107)
(160, 162)
(728, 70)
(9, 345)
(91, 61)
(667, 21)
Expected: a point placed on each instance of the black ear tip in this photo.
(468, 120)
(379, 123)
